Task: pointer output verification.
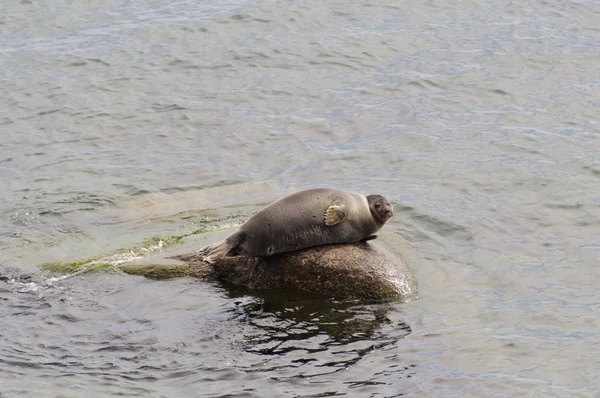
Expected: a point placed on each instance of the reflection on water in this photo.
(296, 335)
(137, 330)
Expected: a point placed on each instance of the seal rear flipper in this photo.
(216, 251)
(370, 237)
(335, 214)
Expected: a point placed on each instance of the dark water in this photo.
(121, 122)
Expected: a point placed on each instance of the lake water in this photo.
(122, 123)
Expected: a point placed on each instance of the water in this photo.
(123, 122)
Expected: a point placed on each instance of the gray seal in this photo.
(305, 219)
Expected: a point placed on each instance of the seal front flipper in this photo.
(370, 237)
(335, 214)
(216, 251)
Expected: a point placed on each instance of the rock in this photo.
(347, 271)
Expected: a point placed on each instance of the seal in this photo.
(305, 219)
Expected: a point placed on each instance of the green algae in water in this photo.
(112, 261)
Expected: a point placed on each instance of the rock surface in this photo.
(348, 271)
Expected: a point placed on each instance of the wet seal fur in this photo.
(308, 218)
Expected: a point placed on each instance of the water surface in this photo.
(123, 122)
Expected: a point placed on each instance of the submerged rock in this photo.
(360, 270)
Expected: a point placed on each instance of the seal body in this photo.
(304, 219)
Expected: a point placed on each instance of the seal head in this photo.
(381, 209)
